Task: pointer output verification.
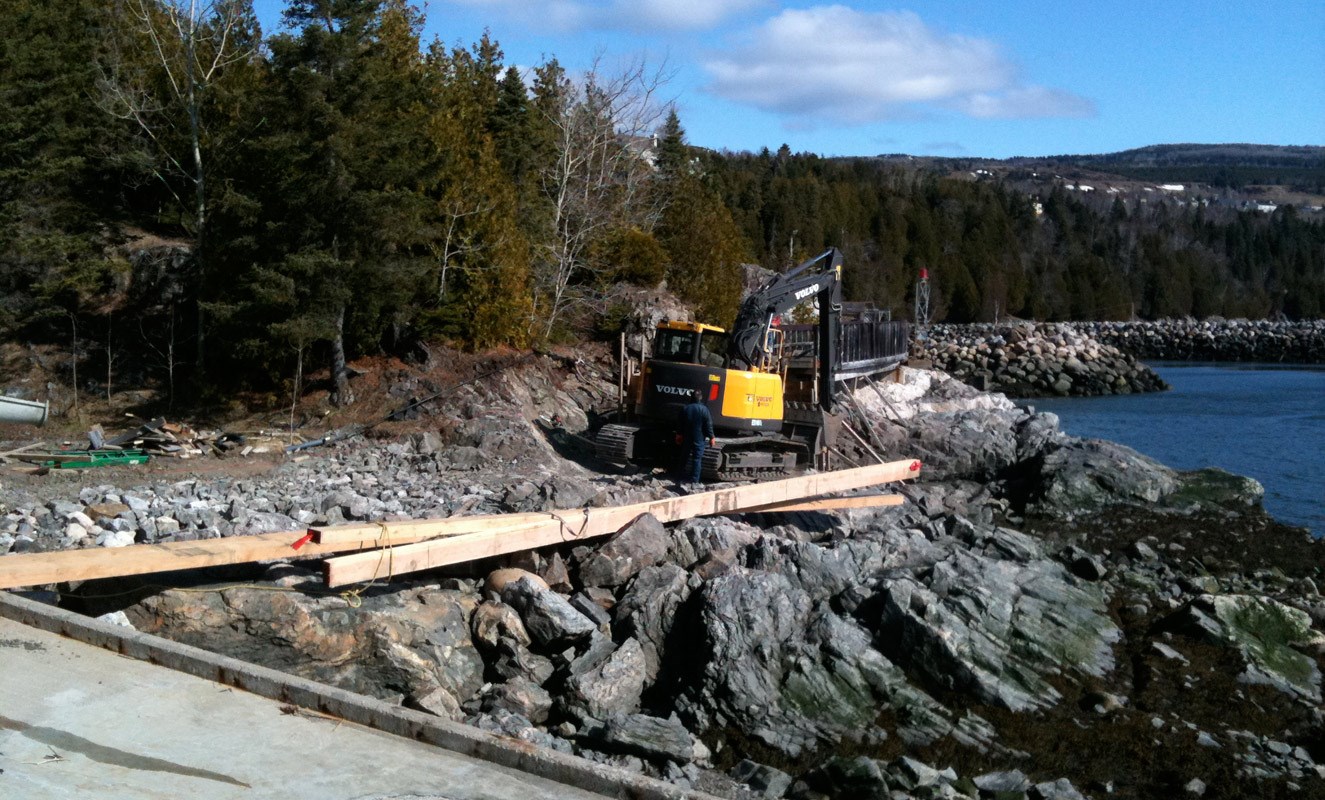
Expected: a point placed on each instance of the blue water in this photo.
(1260, 420)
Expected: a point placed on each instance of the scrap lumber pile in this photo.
(385, 550)
(154, 439)
(157, 437)
(162, 438)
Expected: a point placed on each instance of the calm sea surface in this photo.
(1261, 420)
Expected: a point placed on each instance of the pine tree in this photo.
(52, 185)
(480, 262)
(343, 216)
(510, 127)
(673, 154)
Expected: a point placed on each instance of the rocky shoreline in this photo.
(1046, 617)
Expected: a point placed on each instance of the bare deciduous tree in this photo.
(598, 176)
(456, 242)
(191, 43)
(163, 59)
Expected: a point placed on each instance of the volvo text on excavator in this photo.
(770, 387)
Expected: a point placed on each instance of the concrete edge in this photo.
(368, 711)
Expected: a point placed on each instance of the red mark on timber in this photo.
(915, 466)
(305, 539)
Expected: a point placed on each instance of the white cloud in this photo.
(850, 66)
(634, 15)
(677, 14)
(554, 14)
(1026, 101)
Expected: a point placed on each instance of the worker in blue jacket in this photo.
(696, 425)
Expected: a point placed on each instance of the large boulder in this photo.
(1266, 632)
(1086, 475)
(520, 696)
(604, 687)
(793, 675)
(641, 544)
(648, 611)
(491, 622)
(646, 736)
(997, 627)
(548, 617)
(977, 444)
(1216, 488)
(393, 646)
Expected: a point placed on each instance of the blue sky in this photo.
(994, 79)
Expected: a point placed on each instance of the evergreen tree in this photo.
(344, 220)
(704, 246)
(479, 273)
(705, 250)
(55, 195)
(511, 130)
(673, 154)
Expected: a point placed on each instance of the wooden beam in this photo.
(833, 503)
(582, 524)
(37, 569)
(847, 427)
(17, 456)
(418, 529)
(11, 453)
(469, 537)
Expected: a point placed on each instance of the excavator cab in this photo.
(691, 343)
(690, 357)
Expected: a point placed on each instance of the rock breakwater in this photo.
(1036, 359)
(1300, 342)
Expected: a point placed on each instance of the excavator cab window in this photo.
(713, 349)
(673, 345)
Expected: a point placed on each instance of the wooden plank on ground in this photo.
(833, 503)
(37, 569)
(582, 524)
(417, 529)
(473, 537)
(24, 448)
(39, 457)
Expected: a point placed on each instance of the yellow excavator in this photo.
(769, 387)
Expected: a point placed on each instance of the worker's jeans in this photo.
(696, 462)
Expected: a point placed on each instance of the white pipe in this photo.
(23, 411)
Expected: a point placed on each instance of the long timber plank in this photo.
(582, 524)
(469, 538)
(833, 503)
(384, 533)
(37, 569)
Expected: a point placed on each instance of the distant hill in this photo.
(1193, 155)
(1230, 166)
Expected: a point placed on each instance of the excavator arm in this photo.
(819, 278)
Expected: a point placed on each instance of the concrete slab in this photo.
(77, 721)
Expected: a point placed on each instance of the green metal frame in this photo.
(98, 458)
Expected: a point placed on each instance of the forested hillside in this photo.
(198, 204)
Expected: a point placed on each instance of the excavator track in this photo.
(742, 459)
(615, 443)
(749, 461)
